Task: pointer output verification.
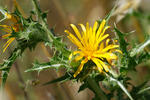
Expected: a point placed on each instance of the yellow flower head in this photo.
(91, 46)
(15, 26)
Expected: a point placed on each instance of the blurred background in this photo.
(27, 86)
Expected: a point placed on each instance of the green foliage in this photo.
(139, 48)
(127, 62)
(66, 77)
(5, 67)
(31, 34)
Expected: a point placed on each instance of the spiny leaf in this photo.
(28, 36)
(108, 16)
(4, 14)
(121, 86)
(139, 48)
(127, 62)
(5, 67)
(122, 42)
(61, 47)
(62, 79)
(39, 67)
(144, 90)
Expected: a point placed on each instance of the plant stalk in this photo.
(42, 20)
(121, 86)
(144, 90)
(96, 89)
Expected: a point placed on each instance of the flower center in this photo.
(89, 54)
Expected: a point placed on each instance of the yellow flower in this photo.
(90, 43)
(15, 26)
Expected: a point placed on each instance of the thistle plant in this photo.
(97, 59)
(91, 46)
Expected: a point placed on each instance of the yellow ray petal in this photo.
(80, 67)
(101, 39)
(100, 28)
(109, 47)
(7, 35)
(91, 38)
(83, 28)
(104, 66)
(116, 50)
(10, 41)
(74, 53)
(6, 42)
(72, 36)
(101, 46)
(70, 56)
(95, 27)
(106, 55)
(107, 42)
(84, 35)
(109, 61)
(104, 31)
(77, 58)
(87, 26)
(74, 39)
(76, 31)
(5, 26)
(7, 30)
(96, 61)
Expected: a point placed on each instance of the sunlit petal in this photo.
(92, 46)
(80, 67)
(10, 41)
(96, 61)
(76, 31)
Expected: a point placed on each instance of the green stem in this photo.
(120, 85)
(42, 20)
(96, 89)
(143, 90)
(50, 35)
(139, 48)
